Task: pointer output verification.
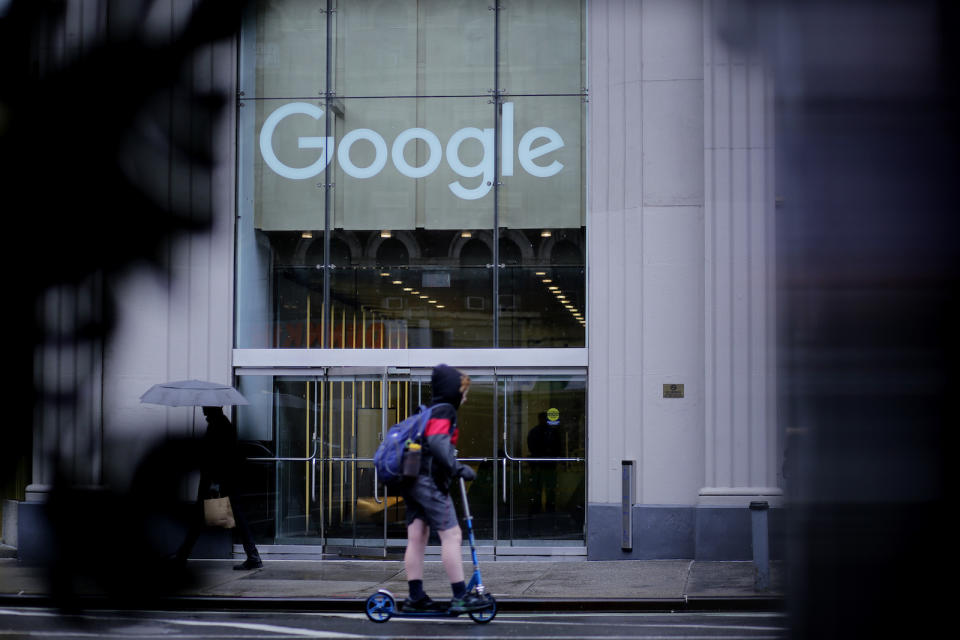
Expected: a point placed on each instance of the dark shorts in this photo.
(425, 502)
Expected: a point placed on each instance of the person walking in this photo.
(220, 467)
(428, 502)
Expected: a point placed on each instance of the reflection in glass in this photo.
(544, 444)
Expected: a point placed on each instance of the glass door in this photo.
(475, 446)
(355, 509)
(524, 435)
(323, 431)
(296, 442)
(542, 499)
(404, 393)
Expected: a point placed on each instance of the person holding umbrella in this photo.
(221, 456)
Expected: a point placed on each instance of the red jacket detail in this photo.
(441, 426)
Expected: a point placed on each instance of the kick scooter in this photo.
(382, 606)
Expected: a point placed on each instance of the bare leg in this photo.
(450, 553)
(417, 535)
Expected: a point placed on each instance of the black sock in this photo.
(459, 588)
(416, 589)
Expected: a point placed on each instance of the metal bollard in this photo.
(761, 546)
(627, 469)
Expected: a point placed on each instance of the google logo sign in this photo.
(530, 157)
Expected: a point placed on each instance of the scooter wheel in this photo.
(483, 616)
(380, 606)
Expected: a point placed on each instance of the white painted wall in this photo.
(645, 227)
(171, 325)
(662, 224)
(740, 418)
(178, 324)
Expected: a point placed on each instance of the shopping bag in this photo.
(218, 513)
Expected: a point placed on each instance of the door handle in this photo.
(313, 456)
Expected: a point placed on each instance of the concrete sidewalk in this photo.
(517, 585)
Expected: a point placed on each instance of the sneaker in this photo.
(468, 602)
(249, 563)
(422, 605)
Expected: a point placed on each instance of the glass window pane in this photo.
(545, 447)
(542, 46)
(297, 510)
(375, 44)
(477, 439)
(280, 303)
(413, 163)
(408, 183)
(458, 43)
(404, 273)
(396, 305)
(290, 161)
(291, 49)
(413, 48)
(543, 306)
(542, 215)
(542, 164)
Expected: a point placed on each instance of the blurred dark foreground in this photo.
(107, 150)
(867, 262)
(868, 313)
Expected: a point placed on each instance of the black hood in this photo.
(445, 382)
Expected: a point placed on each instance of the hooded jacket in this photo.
(441, 431)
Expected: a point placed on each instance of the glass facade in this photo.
(524, 435)
(411, 176)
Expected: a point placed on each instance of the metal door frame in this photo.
(319, 376)
(501, 544)
(507, 458)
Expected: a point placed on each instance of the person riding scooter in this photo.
(428, 501)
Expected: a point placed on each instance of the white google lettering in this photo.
(266, 142)
(484, 167)
(433, 143)
(526, 152)
(526, 155)
(379, 147)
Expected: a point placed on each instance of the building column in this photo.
(68, 365)
(741, 461)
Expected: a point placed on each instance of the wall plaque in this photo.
(672, 390)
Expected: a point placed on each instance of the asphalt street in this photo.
(49, 623)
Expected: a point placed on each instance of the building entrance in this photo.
(522, 434)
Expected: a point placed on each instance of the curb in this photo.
(341, 605)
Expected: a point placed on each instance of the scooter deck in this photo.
(382, 606)
(436, 614)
